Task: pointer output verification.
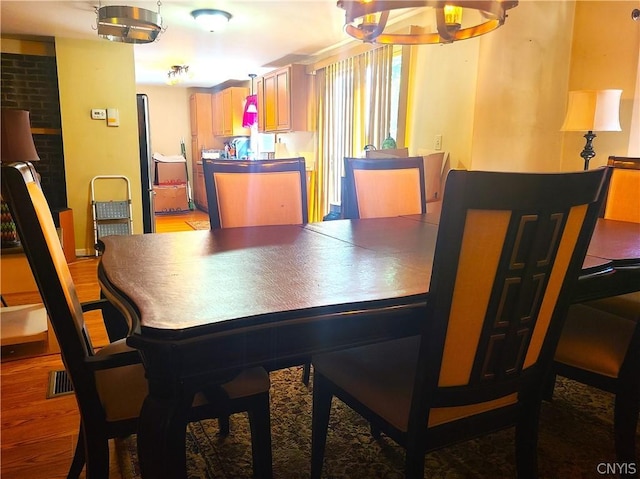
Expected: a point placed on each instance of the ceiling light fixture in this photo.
(178, 74)
(128, 24)
(366, 19)
(211, 19)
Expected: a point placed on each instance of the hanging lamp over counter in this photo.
(250, 115)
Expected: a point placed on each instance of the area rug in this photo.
(575, 436)
(199, 224)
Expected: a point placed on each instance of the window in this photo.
(358, 104)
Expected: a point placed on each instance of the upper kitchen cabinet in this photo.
(282, 100)
(228, 108)
(200, 111)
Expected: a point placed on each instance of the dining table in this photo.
(204, 305)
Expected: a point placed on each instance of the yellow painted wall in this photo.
(97, 74)
(605, 54)
(521, 90)
(500, 103)
(441, 99)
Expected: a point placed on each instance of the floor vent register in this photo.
(59, 384)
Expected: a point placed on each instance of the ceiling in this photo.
(262, 34)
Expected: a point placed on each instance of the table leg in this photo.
(161, 438)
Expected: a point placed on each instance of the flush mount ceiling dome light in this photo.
(212, 19)
(366, 19)
(128, 24)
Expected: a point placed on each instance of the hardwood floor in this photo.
(38, 435)
(171, 223)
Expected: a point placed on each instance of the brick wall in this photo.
(30, 82)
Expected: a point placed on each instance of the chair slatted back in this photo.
(623, 200)
(255, 193)
(507, 256)
(46, 258)
(385, 187)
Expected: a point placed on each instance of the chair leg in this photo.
(97, 456)
(548, 385)
(625, 422)
(306, 373)
(223, 422)
(78, 457)
(527, 440)
(414, 462)
(260, 425)
(319, 422)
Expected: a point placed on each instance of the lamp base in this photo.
(588, 152)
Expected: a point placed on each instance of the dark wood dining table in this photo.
(205, 304)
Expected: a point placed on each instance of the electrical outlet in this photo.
(437, 144)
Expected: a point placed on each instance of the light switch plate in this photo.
(437, 144)
(98, 114)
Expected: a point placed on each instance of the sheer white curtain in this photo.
(354, 110)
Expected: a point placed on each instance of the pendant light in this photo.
(250, 115)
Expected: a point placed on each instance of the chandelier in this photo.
(366, 20)
(128, 24)
(178, 74)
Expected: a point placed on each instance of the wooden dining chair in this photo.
(110, 384)
(257, 193)
(436, 165)
(384, 187)
(623, 198)
(600, 342)
(506, 262)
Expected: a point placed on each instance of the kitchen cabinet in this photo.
(228, 108)
(282, 100)
(260, 94)
(216, 111)
(200, 109)
(201, 190)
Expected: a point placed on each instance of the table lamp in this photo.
(592, 110)
(16, 145)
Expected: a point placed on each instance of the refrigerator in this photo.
(146, 164)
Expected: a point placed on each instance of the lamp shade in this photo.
(593, 110)
(17, 141)
(250, 114)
